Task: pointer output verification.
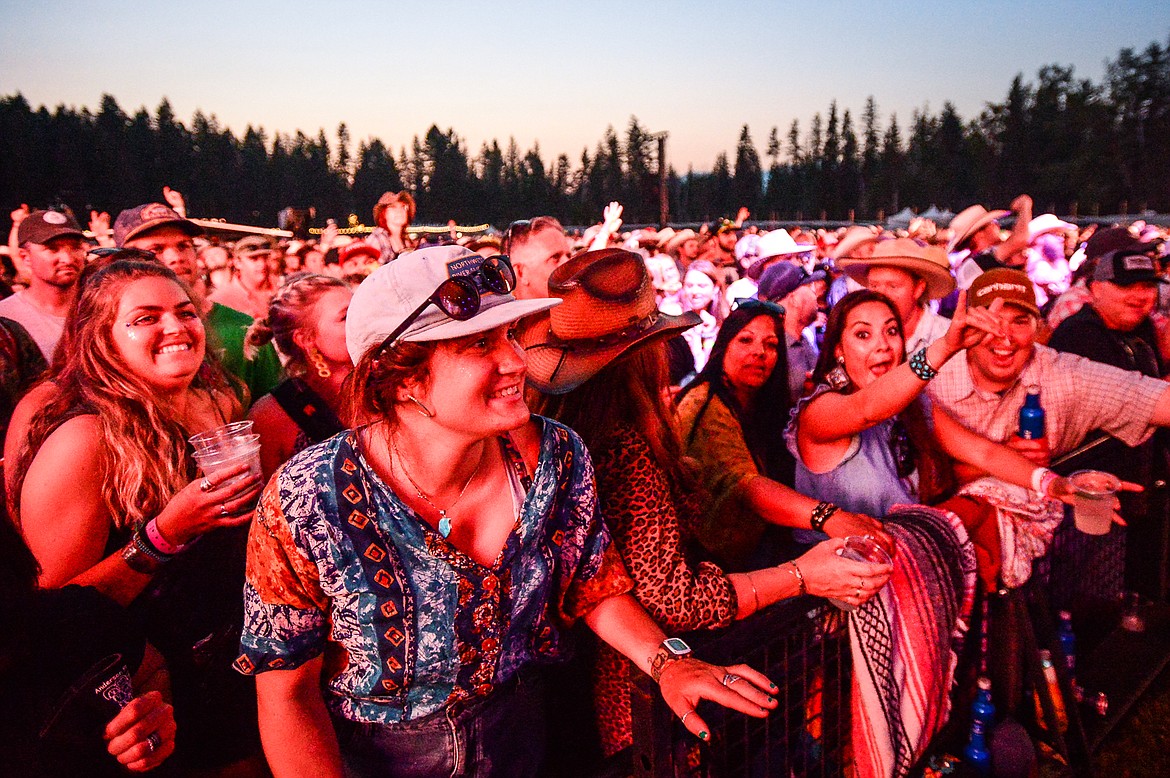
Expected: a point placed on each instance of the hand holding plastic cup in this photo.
(225, 447)
(861, 549)
(1093, 493)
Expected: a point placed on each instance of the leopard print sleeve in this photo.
(639, 508)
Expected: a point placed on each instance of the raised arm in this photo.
(834, 417)
(1018, 240)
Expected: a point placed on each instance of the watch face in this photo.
(676, 646)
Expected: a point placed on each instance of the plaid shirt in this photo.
(1078, 395)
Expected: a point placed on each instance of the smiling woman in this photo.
(132, 385)
(443, 548)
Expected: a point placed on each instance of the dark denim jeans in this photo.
(502, 735)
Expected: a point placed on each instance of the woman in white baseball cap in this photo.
(406, 578)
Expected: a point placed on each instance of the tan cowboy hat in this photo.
(680, 237)
(969, 221)
(854, 237)
(927, 262)
(607, 308)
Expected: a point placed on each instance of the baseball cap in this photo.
(132, 222)
(251, 243)
(781, 279)
(394, 291)
(1012, 286)
(1127, 266)
(42, 226)
(1114, 238)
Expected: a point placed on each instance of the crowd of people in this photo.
(482, 455)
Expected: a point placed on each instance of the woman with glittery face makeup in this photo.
(132, 383)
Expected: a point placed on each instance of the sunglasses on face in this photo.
(459, 297)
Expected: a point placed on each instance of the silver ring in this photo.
(223, 511)
(730, 678)
(205, 485)
(859, 592)
(153, 741)
(684, 716)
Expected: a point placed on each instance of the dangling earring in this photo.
(424, 410)
(319, 363)
(837, 378)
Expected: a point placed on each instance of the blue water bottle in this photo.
(1068, 643)
(1032, 416)
(982, 717)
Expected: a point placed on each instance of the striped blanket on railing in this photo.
(904, 641)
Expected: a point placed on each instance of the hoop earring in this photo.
(319, 364)
(837, 378)
(422, 409)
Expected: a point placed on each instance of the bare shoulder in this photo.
(266, 412)
(76, 444)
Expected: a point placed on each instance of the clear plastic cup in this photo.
(1094, 492)
(221, 437)
(861, 549)
(214, 462)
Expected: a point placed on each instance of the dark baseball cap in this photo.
(1114, 238)
(1127, 266)
(781, 279)
(133, 222)
(42, 226)
(1012, 286)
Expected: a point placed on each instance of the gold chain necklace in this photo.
(444, 519)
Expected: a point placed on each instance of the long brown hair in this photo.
(144, 452)
(630, 391)
(936, 477)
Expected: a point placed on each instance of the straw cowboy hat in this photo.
(1046, 223)
(968, 222)
(854, 238)
(608, 308)
(680, 237)
(927, 262)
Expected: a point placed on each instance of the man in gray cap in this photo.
(51, 246)
(789, 286)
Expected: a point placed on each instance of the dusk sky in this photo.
(554, 73)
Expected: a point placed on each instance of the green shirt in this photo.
(226, 328)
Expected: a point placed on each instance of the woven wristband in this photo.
(799, 577)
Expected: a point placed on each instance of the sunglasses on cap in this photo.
(517, 230)
(459, 297)
(112, 254)
(762, 306)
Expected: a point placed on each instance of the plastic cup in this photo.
(861, 549)
(217, 461)
(1094, 492)
(221, 437)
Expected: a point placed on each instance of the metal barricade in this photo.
(802, 645)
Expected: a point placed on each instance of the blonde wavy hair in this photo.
(144, 447)
(290, 311)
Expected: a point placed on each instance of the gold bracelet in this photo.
(755, 594)
(799, 576)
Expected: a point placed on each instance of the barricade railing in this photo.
(802, 645)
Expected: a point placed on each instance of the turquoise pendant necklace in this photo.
(444, 519)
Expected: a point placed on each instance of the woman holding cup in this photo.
(114, 435)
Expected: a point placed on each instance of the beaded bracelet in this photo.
(1042, 479)
(799, 577)
(143, 544)
(920, 366)
(821, 514)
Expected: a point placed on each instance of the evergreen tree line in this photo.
(1078, 147)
